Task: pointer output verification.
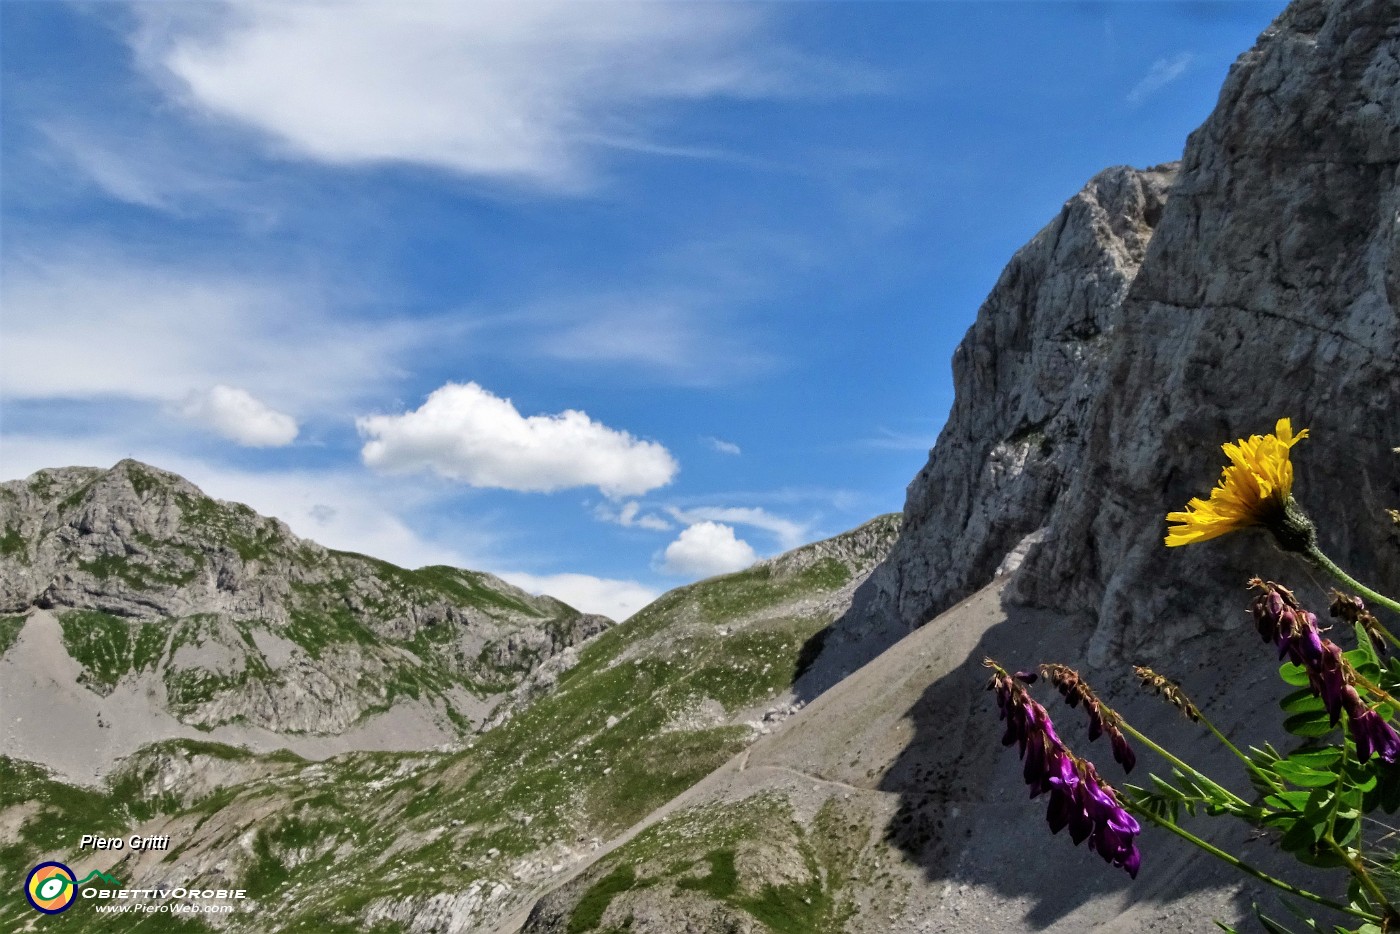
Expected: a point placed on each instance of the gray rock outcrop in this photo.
(235, 620)
(1165, 312)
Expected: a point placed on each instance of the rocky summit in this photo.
(805, 747)
(182, 615)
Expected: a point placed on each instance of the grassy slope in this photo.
(369, 826)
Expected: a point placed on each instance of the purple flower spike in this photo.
(1079, 798)
(1279, 617)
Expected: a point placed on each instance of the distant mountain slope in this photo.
(888, 806)
(222, 618)
(457, 841)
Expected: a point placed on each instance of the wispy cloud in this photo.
(788, 533)
(529, 93)
(124, 327)
(687, 337)
(892, 440)
(138, 162)
(1162, 73)
(630, 516)
(722, 446)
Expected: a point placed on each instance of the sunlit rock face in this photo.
(1164, 312)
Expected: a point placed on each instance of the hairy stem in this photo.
(1315, 555)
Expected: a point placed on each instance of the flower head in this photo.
(1282, 620)
(1102, 718)
(1079, 798)
(1254, 490)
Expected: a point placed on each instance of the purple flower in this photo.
(1368, 730)
(1079, 798)
(1102, 719)
(1281, 619)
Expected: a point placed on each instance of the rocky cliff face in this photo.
(1028, 375)
(1165, 312)
(232, 619)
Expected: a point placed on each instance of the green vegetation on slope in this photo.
(750, 856)
(649, 710)
(9, 631)
(49, 817)
(109, 647)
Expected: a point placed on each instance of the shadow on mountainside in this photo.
(964, 817)
(867, 628)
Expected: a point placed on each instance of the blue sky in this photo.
(600, 297)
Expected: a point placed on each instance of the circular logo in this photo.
(51, 888)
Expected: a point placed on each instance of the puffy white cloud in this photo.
(466, 433)
(722, 446)
(526, 92)
(239, 416)
(789, 534)
(706, 549)
(616, 599)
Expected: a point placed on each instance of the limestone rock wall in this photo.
(1167, 311)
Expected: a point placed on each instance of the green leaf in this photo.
(1302, 776)
(1297, 675)
(1308, 724)
(1301, 837)
(1288, 800)
(1302, 700)
(1363, 644)
(1345, 830)
(1364, 662)
(1323, 758)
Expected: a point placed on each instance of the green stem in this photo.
(1315, 555)
(1194, 773)
(1244, 867)
(1375, 689)
(1362, 876)
(1248, 763)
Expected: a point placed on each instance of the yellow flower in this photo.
(1254, 489)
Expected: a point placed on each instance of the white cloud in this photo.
(892, 440)
(465, 433)
(686, 336)
(238, 416)
(526, 92)
(722, 446)
(706, 549)
(616, 599)
(789, 534)
(630, 516)
(1162, 73)
(126, 328)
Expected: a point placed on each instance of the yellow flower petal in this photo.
(1256, 484)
